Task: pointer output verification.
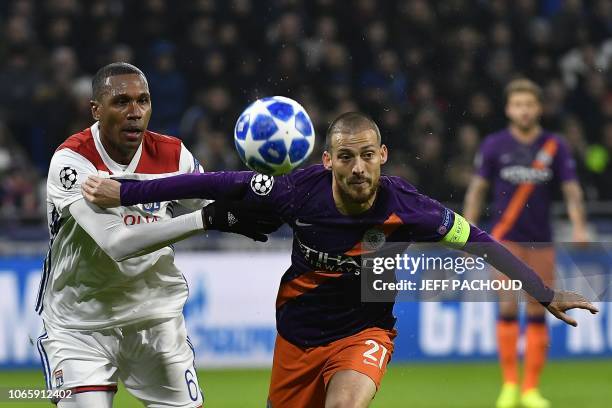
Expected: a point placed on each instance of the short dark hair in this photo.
(351, 122)
(107, 71)
(523, 85)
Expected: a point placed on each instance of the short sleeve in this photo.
(67, 171)
(189, 164)
(564, 165)
(484, 162)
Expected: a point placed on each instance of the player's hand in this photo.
(564, 301)
(581, 235)
(103, 192)
(247, 219)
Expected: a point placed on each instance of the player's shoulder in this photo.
(77, 149)
(161, 139)
(550, 135)
(309, 174)
(160, 144)
(400, 192)
(160, 154)
(397, 185)
(494, 138)
(81, 142)
(412, 206)
(494, 142)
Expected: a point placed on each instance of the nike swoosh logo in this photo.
(302, 224)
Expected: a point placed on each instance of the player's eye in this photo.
(143, 100)
(368, 155)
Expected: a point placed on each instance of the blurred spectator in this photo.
(168, 85)
(430, 73)
(600, 163)
(461, 166)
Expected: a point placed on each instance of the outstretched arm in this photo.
(121, 242)
(478, 242)
(228, 185)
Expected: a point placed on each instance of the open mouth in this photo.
(132, 133)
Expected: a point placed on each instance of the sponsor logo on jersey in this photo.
(135, 219)
(151, 207)
(523, 174)
(330, 262)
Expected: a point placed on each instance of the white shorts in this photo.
(154, 360)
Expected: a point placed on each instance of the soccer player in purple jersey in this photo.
(524, 164)
(332, 349)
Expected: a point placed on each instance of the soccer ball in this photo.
(274, 135)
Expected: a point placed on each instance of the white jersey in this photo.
(82, 286)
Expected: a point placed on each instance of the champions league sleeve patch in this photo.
(68, 177)
(446, 222)
(262, 184)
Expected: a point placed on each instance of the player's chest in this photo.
(521, 164)
(147, 213)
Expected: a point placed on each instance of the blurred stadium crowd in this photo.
(430, 72)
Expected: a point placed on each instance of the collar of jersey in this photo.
(112, 165)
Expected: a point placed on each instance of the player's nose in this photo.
(134, 111)
(359, 167)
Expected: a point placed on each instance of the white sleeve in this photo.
(189, 164)
(121, 242)
(67, 171)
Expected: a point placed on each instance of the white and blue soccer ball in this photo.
(274, 135)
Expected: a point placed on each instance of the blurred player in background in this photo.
(524, 164)
(111, 297)
(332, 349)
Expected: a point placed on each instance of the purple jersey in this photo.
(319, 298)
(510, 166)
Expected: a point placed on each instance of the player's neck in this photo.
(525, 136)
(118, 155)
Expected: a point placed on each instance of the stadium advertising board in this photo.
(230, 315)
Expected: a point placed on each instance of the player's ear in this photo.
(95, 109)
(327, 162)
(384, 154)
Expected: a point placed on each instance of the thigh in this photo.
(367, 352)
(542, 260)
(99, 399)
(156, 364)
(349, 388)
(508, 300)
(297, 379)
(78, 360)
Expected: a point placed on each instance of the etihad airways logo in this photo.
(523, 174)
(330, 262)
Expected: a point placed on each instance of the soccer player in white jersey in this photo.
(111, 297)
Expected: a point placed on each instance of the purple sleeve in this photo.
(482, 244)
(484, 162)
(564, 165)
(228, 185)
